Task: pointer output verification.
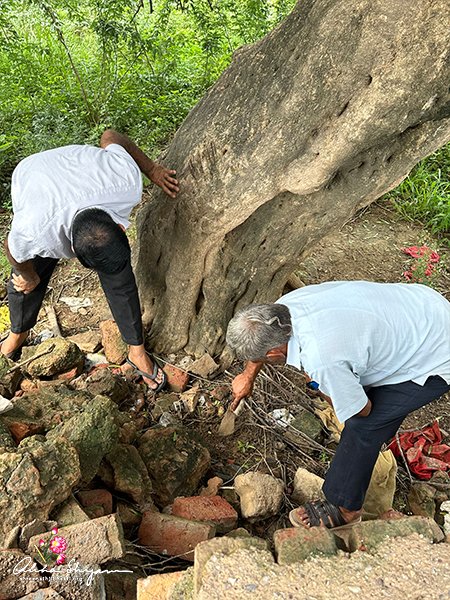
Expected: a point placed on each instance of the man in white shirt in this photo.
(378, 351)
(76, 201)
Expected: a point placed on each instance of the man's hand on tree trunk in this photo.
(158, 174)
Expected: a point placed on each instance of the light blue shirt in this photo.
(348, 335)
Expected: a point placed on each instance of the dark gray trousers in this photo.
(120, 291)
(348, 477)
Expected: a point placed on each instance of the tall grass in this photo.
(425, 194)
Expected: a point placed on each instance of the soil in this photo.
(367, 247)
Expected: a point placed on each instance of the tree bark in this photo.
(321, 117)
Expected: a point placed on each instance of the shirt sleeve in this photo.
(19, 246)
(342, 385)
(120, 150)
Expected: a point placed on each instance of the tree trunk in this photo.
(321, 117)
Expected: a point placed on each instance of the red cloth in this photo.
(423, 451)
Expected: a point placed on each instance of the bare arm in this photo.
(242, 384)
(158, 174)
(26, 278)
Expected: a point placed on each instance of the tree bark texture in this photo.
(321, 117)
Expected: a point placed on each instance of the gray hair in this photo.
(255, 330)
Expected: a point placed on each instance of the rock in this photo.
(239, 532)
(6, 440)
(296, 544)
(45, 594)
(87, 583)
(65, 356)
(31, 529)
(307, 487)
(421, 500)
(128, 433)
(210, 509)
(445, 508)
(102, 382)
(11, 585)
(94, 433)
(43, 409)
(175, 461)
(183, 589)
(93, 542)
(368, 535)
(35, 479)
(129, 515)
(177, 379)
(212, 488)
(307, 424)
(220, 392)
(158, 587)
(130, 474)
(9, 382)
(121, 585)
(115, 348)
(204, 366)
(173, 536)
(69, 513)
(87, 341)
(163, 404)
(261, 495)
(225, 546)
(100, 497)
(190, 398)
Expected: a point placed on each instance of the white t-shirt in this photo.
(348, 335)
(50, 187)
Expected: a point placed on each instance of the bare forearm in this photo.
(252, 369)
(25, 269)
(146, 165)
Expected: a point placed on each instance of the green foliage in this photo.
(69, 69)
(425, 194)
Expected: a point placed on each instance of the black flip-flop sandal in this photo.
(322, 513)
(152, 376)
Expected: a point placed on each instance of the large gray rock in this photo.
(307, 486)
(261, 495)
(40, 410)
(130, 474)
(34, 479)
(65, 356)
(175, 461)
(93, 433)
(8, 381)
(13, 586)
(93, 542)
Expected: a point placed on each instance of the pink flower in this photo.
(412, 251)
(429, 270)
(54, 530)
(434, 257)
(407, 275)
(41, 542)
(61, 559)
(58, 545)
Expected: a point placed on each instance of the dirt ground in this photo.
(367, 247)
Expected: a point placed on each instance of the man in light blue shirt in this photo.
(377, 350)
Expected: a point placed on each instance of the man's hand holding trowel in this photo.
(242, 387)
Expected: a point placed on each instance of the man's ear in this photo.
(277, 352)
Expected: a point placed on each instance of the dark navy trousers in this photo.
(348, 477)
(120, 291)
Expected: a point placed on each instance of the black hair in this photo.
(99, 242)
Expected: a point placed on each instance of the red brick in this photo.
(21, 429)
(212, 509)
(96, 498)
(69, 375)
(169, 535)
(176, 378)
(114, 347)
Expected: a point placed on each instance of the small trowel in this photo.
(228, 422)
